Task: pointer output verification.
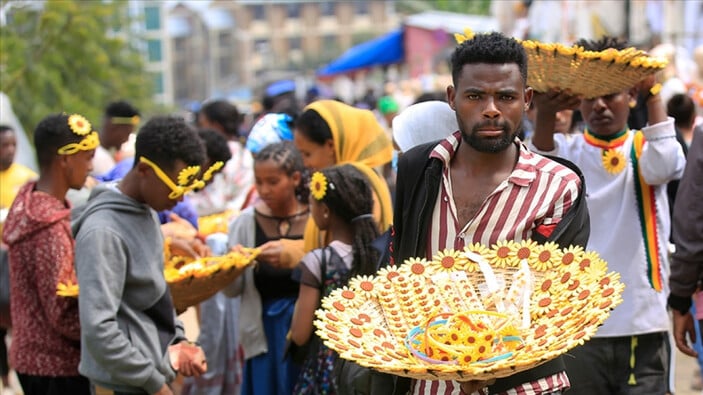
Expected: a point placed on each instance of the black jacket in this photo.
(417, 186)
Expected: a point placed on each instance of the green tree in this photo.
(472, 7)
(69, 55)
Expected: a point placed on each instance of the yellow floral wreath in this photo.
(318, 185)
(79, 125)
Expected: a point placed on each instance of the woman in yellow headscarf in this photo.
(330, 133)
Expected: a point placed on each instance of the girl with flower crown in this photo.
(341, 203)
(267, 290)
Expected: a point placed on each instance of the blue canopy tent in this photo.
(387, 49)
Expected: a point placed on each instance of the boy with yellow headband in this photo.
(132, 342)
(45, 347)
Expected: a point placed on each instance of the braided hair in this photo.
(290, 161)
(350, 198)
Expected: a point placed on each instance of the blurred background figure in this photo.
(12, 176)
(119, 122)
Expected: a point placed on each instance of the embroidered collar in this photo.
(606, 142)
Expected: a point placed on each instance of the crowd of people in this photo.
(333, 190)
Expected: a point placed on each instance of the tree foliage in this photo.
(69, 56)
(471, 7)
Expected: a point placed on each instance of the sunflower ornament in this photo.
(318, 185)
(613, 161)
(79, 125)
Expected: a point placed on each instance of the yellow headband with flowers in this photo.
(134, 121)
(319, 185)
(187, 178)
(80, 126)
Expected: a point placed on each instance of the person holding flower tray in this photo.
(627, 172)
(482, 185)
(131, 340)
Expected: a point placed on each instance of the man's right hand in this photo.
(683, 328)
(164, 390)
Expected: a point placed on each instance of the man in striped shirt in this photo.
(481, 184)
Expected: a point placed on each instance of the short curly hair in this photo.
(52, 133)
(167, 139)
(216, 146)
(602, 44)
(493, 48)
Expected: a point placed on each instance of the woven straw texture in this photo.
(215, 223)
(374, 321)
(194, 282)
(587, 73)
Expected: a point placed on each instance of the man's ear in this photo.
(450, 96)
(297, 178)
(142, 168)
(633, 94)
(529, 92)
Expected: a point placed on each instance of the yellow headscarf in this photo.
(361, 141)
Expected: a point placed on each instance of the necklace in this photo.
(612, 159)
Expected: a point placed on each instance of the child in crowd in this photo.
(341, 203)
(45, 349)
(131, 340)
(267, 290)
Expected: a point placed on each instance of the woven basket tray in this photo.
(199, 280)
(192, 282)
(215, 223)
(587, 73)
(371, 320)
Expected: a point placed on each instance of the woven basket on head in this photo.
(196, 281)
(587, 73)
(375, 321)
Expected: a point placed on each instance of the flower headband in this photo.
(134, 121)
(80, 126)
(319, 185)
(468, 35)
(187, 178)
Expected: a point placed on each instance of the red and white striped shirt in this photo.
(535, 196)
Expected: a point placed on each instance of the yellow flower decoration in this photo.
(318, 185)
(67, 289)
(502, 253)
(613, 161)
(468, 35)
(546, 256)
(212, 170)
(449, 260)
(79, 125)
(187, 174)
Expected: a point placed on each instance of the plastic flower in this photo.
(613, 161)
(500, 255)
(468, 35)
(187, 174)
(212, 170)
(67, 289)
(448, 260)
(79, 125)
(318, 185)
(546, 256)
